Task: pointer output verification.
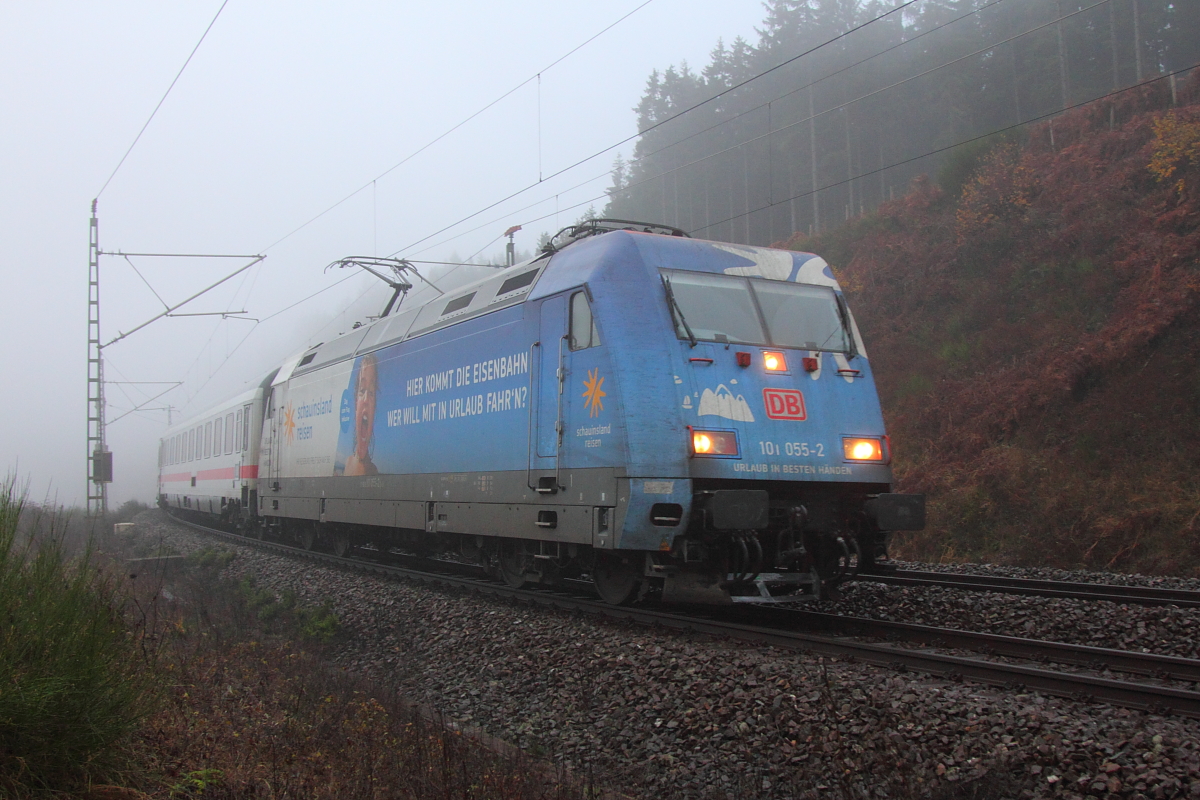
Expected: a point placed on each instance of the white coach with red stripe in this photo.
(209, 463)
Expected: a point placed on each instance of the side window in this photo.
(246, 427)
(218, 436)
(207, 439)
(583, 327)
(229, 432)
(191, 447)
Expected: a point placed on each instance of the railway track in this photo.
(792, 629)
(1141, 595)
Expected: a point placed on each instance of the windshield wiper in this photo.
(844, 316)
(675, 309)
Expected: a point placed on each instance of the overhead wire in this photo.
(843, 181)
(716, 125)
(535, 77)
(752, 140)
(662, 122)
(406, 159)
(162, 99)
(865, 96)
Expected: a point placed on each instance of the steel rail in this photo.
(1142, 595)
(1086, 688)
(992, 644)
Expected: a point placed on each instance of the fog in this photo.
(285, 110)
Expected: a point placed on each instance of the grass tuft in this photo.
(72, 683)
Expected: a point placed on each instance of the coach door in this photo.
(547, 374)
(268, 457)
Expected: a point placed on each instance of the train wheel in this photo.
(512, 563)
(343, 545)
(617, 579)
(308, 537)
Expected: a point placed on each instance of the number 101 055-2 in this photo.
(803, 449)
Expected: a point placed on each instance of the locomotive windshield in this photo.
(726, 308)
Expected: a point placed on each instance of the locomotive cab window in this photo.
(584, 333)
(717, 308)
(802, 316)
(727, 308)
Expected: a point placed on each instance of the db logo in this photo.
(784, 404)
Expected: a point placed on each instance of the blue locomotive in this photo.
(658, 414)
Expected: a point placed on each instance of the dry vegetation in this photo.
(254, 710)
(111, 688)
(1031, 318)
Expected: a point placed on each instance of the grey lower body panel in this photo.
(481, 504)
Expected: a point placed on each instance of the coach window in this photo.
(207, 439)
(229, 432)
(583, 326)
(218, 436)
(245, 431)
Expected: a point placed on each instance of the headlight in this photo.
(774, 361)
(714, 443)
(863, 449)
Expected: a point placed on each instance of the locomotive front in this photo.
(758, 464)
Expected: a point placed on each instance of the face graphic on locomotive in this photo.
(365, 392)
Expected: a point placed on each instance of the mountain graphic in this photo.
(722, 403)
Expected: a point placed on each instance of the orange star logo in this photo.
(289, 423)
(593, 397)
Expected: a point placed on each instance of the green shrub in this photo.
(285, 612)
(73, 684)
(212, 558)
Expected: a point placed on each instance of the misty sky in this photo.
(286, 109)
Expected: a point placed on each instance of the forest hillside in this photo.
(1031, 315)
